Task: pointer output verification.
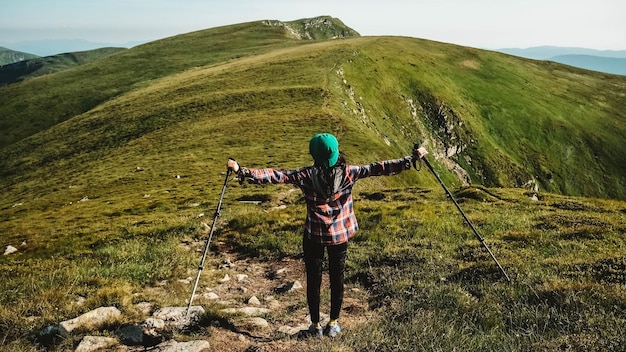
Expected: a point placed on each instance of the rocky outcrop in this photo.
(317, 28)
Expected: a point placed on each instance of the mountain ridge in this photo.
(466, 103)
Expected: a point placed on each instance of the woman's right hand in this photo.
(232, 165)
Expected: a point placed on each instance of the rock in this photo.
(176, 317)
(190, 346)
(275, 305)
(289, 287)
(226, 278)
(94, 343)
(10, 250)
(144, 307)
(211, 295)
(241, 277)
(253, 301)
(80, 300)
(92, 319)
(252, 311)
(153, 327)
(186, 281)
(131, 335)
(289, 330)
(257, 322)
(227, 264)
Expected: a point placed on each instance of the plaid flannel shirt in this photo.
(329, 221)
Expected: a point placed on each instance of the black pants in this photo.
(313, 258)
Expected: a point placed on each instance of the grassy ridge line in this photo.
(34, 105)
(492, 107)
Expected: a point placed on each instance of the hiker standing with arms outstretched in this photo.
(330, 220)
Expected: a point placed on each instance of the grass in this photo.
(434, 287)
(104, 185)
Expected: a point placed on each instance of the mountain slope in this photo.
(35, 105)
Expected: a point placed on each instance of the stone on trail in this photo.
(257, 322)
(289, 287)
(251, 311)
(189, 346)
(92, 319)
(254, 301)
(176, 317)
(131, 335)
(211, 295)
(95, 343)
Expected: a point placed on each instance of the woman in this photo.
(330, 221)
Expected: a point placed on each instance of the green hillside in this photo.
(107, 165)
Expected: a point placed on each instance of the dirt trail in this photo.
(288, 311)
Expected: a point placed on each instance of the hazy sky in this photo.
(489, 24)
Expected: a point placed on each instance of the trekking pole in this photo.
(480, 238)
(208, 242)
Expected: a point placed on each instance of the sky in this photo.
(485, 24)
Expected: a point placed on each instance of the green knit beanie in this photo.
(325, 149)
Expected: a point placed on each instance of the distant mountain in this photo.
(596, 63)
(38, 66)
(8, 56)
(608, 61)
(60, 46)
(547, 52)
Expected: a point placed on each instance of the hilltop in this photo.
(111, 166)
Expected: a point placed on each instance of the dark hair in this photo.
(341, 161)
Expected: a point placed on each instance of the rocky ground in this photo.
(242, 304)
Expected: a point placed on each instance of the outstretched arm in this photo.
(260, 176)
(389, 167)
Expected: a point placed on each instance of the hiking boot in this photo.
(316, 330)
(333, 330)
